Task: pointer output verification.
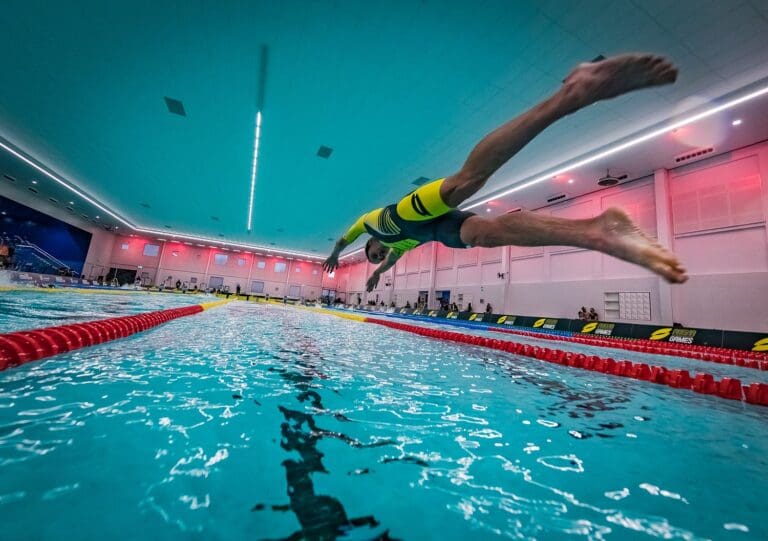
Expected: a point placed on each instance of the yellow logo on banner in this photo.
(502, 319)
(589, 327)
(449, 314)
(539, 322)
(660, 334)
(472, 317)
(432, 313)
(761, 345)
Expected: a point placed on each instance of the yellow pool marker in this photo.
(214, 304)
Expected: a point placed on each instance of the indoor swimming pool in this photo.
(264, 421)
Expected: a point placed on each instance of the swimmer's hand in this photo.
(373, 281)
(331, 264)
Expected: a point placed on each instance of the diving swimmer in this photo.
(430, 213)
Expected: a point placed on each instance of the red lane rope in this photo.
(730, 388)
(25, 346)
(749, 359)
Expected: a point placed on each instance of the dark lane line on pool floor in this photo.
(322, 517)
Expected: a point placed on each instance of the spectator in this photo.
(593, 315)
(408, 304)
(237, 290)
(178, 284)
(583, 314)
(469, 307)
(488, 308)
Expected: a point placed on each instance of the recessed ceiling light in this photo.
(34, 182)
(3, 213)
(487, 210)
(97, 217)
(570, 181)
(71, 202)
(736, 122)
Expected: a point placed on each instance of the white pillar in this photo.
(504, 307)
(207, 268)
(432, 277)
(665, 236)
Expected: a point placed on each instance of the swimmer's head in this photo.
(375, 251)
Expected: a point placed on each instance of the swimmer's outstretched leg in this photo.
(612, 233)
(586, 84)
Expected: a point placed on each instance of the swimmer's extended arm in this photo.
(373, 281)
(357, 229)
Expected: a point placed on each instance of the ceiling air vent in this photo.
(324, 152)
(517, 209)
(145, 205)
(557, 197)
(175, 106)
(31, 189)
(9, 178)
(419, 181)
(609, 179)
(70, 209)
(54, 201)
(215, 218)
(694, 154)
(84, 216)
(168, 227)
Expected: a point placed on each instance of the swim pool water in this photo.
(261, 421)
(24, 309)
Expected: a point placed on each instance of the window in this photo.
(279, 267)
(297, 269)
(151, 250)
(220, 259)
(314, 271)
(124, 246)
(294, 291)
(240, 262)
(257, 287)
(261, 264)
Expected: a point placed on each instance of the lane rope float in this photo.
(747, 359)
(728, 388)
(21, 347)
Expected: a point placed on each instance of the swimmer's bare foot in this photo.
(616, 235)
(614, 76)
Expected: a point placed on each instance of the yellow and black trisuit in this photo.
(419, 217)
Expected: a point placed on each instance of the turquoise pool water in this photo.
(268, 422)
(24, 309)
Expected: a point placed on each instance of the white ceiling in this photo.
(399, 89)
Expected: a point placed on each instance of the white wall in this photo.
(713, 217)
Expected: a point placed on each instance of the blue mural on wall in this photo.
(35, 242)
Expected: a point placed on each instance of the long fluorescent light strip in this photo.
(256, 140)
(137, 228)
(623, 146)
(65, 184)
